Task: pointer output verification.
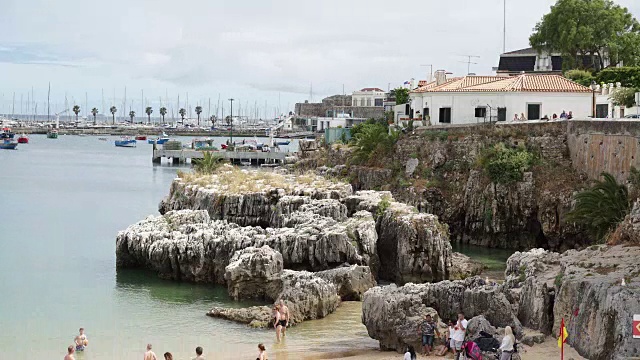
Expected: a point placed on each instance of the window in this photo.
(533, 111)
(481, 112)
(602, 111)
(369, 102)
(361, 102)
(355, 102)
(502, 114)
(378, 102)
(445, 116)
(425, 113)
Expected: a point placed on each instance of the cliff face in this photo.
(439, 172)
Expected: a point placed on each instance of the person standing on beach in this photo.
(459, 332)
(199, 355)
(70, 351)
(284, 317)
(262, 352)
(428, 328)
(276, 322)
(81, 340)
(150, 355)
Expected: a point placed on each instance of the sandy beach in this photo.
(547, 350)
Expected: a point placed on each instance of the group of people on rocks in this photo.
(563, 116)
(81, 343)
(454, 339)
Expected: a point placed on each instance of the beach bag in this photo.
(473, 351)
(487, 343)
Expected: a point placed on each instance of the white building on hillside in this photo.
(368, 97)
(473, 99)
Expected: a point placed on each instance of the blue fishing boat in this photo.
(8, 144)
(6, 133)
(283, 142)
(158, 141)
(126, 142)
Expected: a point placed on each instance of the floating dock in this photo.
(236, 157)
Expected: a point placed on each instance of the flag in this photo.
(562, 337)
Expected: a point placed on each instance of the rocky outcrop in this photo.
(628, 231)
(361, 229)
(255, 316)
(254, 273)
(351, 282)
(583, 287)
(463, 267)
(307, 296)
(389, 312)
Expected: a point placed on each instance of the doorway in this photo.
(533, 111)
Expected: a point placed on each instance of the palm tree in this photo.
(76, 109)
(113, 111)
(182, 113)
(198, 111)
(163, 112)
(148, 111)
(132, 114)
(94, 112)
(601, 207)
(212, 118)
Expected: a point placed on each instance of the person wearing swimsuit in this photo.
(262, 352)
(284, 317)
(80, 340)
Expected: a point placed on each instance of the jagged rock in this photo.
(385, 309)
(255, 316)
(367, 200)
(361, 228)
(307, 296)
(477, 324)
(463, 267)
(351, 282)
(288, 208)
(412, 247)
(531, 338)
(628, 232)
(411, 166)
(254, 273)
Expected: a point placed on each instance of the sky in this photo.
(267, 55)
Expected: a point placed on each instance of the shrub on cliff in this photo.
(505, 165)
(600, 208)
(208, 164)
(371, 139)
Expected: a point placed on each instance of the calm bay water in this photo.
(64, 200)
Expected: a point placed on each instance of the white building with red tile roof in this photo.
(369, 97)
(472, 99)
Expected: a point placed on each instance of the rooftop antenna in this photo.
(469, 62)
(504, 34)
(430, 77)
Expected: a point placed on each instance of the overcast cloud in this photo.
(255, 51)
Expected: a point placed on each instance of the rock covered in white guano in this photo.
(385, 309)
(307, 296)
(254, 273)
(412, 246)
(463, 267)
(351, 282)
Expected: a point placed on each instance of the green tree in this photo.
(148, 111)
(198, 112)
(624, 97)
(113, 111)
(597, 28)
(76, 110)
(208, 164)
(402, 95)
(94, 112)
(182, 113)
(372, 139)
(163, 112)
(132, 114)
(582, 77)
(627, 76)
(600, 208)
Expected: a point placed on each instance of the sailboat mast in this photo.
(48, 105)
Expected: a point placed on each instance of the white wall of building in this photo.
(463, 104)
(367, 98)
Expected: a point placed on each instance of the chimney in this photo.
(441, 77)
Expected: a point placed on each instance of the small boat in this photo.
(141, 137)
(52, 134)
(8, 144)
(7, 133)
(203, 145)
(23, 139)
(158, 141)
(102, 138)
(285, 142)
(126, 142)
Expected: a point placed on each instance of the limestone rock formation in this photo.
(254, 273)
(361, 228)
(387, 310)
(463, 267)
(351, 282)
(255, 316)
(477, 324)
(628, 232)
(307, 296)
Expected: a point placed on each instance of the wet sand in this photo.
(547, 350)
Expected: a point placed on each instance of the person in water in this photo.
(81, 340)
(262, 352)
(150, 355)
(168, 356)
(199, 354)
(70, 351)
(284, 317)
(276, 322)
